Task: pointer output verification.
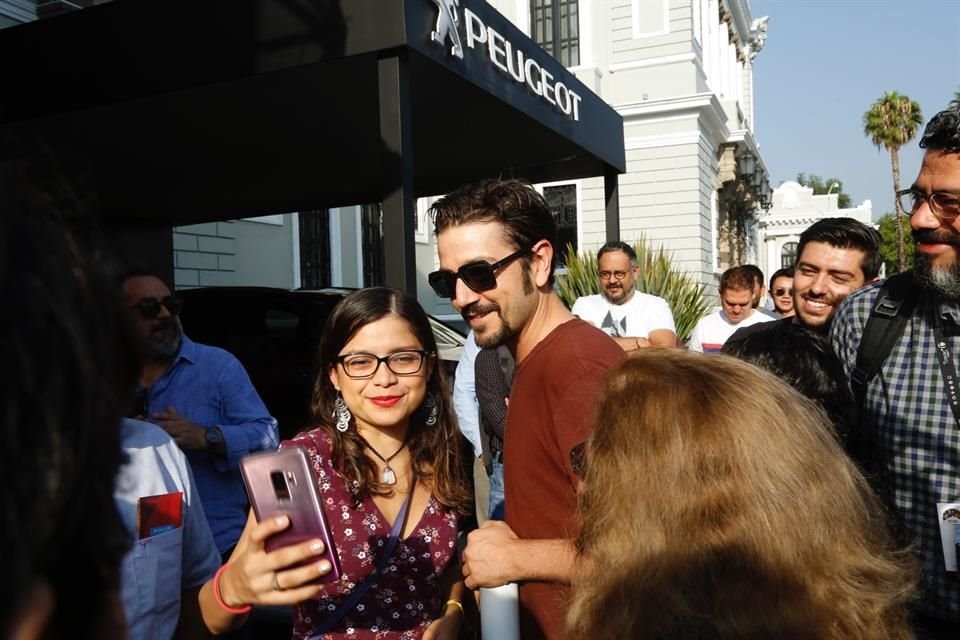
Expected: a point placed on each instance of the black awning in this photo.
(196, 110)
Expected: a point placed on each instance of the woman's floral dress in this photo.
(402, 603)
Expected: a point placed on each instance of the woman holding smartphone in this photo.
(387, 458)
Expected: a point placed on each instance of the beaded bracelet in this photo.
(216, 592)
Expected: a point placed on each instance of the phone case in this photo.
(282, 482)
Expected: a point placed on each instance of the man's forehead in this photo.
(822, 254)
(615, 256)
(145, 286)
(731, 292)
(473, 241)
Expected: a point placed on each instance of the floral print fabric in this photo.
(401, 604)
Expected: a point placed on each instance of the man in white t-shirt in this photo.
(737, 291)
(632, 318)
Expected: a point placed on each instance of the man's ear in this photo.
(541, 261)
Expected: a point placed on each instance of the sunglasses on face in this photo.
(780, 291)
(149, 308)
(479, 275)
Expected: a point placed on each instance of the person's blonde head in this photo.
(717, 503)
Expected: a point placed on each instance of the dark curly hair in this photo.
(943, 131)
(437, 453)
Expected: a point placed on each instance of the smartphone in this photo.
(282, 482)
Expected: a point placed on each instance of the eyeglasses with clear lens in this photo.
(479, 275)
(945, 206)
(149, 308)
(365, 365)
(780, 291)
(616, 275)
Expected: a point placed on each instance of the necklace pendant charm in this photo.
(388, 476)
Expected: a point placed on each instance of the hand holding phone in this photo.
(282, 482)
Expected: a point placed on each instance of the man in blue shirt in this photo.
(202, 397)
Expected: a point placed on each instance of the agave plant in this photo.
(656, 276)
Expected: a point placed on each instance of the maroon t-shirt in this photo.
(552, 406)
(401, 604)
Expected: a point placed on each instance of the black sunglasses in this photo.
(781, 291)
(480, 276)
(149, 308)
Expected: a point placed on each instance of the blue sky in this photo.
(826, 61)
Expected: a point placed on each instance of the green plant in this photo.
(656, 276)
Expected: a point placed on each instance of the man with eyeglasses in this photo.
(496, 245)
(632, 318)
(910, 407)
(203, 397)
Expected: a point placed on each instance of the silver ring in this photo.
(276, 585)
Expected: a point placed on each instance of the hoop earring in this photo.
(432, 411)
(341, 414)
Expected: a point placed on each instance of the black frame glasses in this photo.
(782, 291)
(351, 360)
(149, 308)
(944, 206)
(616, 275)
(479, 275)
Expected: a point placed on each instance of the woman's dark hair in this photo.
(437, 451)
(805, 360)
(70, 355)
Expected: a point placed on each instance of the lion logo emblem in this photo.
(446, 29)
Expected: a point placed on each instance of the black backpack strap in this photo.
(885, 325)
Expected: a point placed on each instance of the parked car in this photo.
(275, 334)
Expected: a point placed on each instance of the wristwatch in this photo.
(214, 438)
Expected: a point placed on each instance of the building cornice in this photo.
(700, 104)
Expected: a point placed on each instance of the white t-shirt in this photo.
(157, 569)
(713, 330)
(635, 318)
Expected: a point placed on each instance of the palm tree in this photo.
(891, 122)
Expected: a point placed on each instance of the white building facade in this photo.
(795, 208)
(680, 72)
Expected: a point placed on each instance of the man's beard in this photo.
(505, 333)
(945, 279)
(162, 346)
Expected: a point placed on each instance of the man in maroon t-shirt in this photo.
(496, 244)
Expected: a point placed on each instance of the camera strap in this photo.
(358, 591)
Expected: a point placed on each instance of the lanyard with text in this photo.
(947, 367)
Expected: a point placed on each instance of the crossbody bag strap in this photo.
(359, 590)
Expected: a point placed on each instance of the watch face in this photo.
(213, 436)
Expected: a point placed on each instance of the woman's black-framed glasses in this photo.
(149, 308)
(364, 365)
(944, 206)
(480, 276)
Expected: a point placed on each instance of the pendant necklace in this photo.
(388, 476)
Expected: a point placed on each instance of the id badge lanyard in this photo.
(948, 368)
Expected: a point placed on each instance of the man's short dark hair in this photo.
(738, 278)
(846, 233)
(515, 204)
(780, 273)
(943, 131)
(138, 271)
(616, 245)
(757, 273)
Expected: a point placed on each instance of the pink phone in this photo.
(282, 482)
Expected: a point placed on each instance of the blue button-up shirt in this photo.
(209, 387)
